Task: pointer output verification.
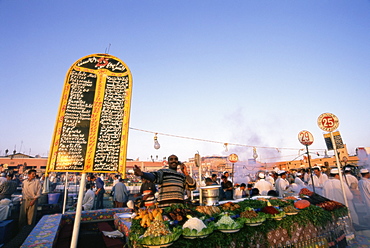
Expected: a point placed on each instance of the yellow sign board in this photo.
(91, 130)
(337, 138)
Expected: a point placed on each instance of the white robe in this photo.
(332, 190)
(364, 187)
(281, 186)
(351, 181)
(300, 184)
(263, 186)
(238, 193)
(271, 180)
(318, 182)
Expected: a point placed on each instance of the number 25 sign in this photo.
(328, 122)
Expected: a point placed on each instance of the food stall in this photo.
(306, 221)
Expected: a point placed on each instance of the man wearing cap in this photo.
(262, 185)
(318, 180)
(364, 187)
(332, 189)
(270, 178)
(281, 183)
(299, 182)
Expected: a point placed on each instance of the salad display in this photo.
(159, 234)
(252, 218)
(195, 228)
(184, 225)
(227, 223)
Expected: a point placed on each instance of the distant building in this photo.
(20, 163)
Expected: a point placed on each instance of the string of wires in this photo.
(219, 142)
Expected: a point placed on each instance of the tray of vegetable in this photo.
(195, 228)
(227, 225)
(290, 210)
(252, 218)
(159, 235)
(273, 213)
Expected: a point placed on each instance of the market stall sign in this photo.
(233, 158)
(328, 122)
(305, 137)
(92, 125)
(338, 141)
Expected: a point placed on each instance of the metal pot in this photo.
(210, 194)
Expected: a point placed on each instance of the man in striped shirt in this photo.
(171, 182)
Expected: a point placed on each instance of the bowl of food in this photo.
(228, 225)
(195, 228)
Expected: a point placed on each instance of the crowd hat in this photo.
(347, 169)
(334, 171)
(261, 175)
(364, 171)
(299, 174)
(281, 172)
(317, 167)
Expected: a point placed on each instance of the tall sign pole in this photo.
(91, 130)
(329, 122)
(306, 139)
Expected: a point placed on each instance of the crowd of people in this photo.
(281, 183)
(170, 185)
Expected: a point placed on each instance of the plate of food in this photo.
(195, 237)
(159, 235)
(195, 228)
(227, 225)
(229, 230)
(252, 218)
(291, 213)
(290, 210)
(158, 246)
(254, 224)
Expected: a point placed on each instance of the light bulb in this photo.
(156, 143)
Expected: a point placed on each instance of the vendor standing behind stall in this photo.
(281, 183)
(31, 191)
(227, 188)
(172, 183)
(147, 193)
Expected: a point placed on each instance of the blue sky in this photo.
(246, 72)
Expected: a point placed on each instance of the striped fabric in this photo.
(172, 186)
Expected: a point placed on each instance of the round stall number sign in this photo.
(305, 137)
(233, 158)
(328, 122)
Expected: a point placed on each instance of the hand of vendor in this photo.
(183, 168)
(137, 171)
(33, 202)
